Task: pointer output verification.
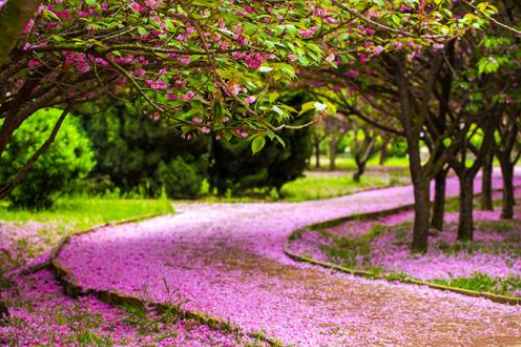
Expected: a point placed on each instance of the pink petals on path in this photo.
(227, 260)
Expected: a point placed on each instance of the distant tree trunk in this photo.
(332, 155)
(360, 169)
(507, 171)
(486, 184)
(317, 154)
(383, 154)
(438, 211)
(466, 201)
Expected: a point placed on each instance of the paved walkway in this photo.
(227, 260)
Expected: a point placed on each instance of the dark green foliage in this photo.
(131, 148)
(397, 148)
(69, 159)
(135, 155)
(179, 178)
(234, 168)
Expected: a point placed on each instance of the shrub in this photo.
(179, 179)
(233, 167)
(131, 147)
(70, 158)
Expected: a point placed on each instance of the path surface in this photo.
(227, 260)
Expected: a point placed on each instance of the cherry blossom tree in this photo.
(211, 66)
(411, 85)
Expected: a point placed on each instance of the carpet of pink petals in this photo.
(227, 260)
(41, 315)
(437, 264)
(491, 252)
(25, 244)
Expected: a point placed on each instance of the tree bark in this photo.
(421, 214)
(383, 154)
(13, 18)
(360, 169)
(332, 155)
(507, 171)
(317, 154)
(486, 184)
(438, 211)
(466, 201)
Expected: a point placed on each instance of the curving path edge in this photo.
(227, 260)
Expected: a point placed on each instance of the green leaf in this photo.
(258, 144)
(142, 31)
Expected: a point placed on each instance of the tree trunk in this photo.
(466, 201)
(438, 212)
(383, 155)
(332, 155)
(360, 169)
(507, 171)
(317, 154)
(421, 214)
(486, 184)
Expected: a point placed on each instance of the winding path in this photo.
(227, 260)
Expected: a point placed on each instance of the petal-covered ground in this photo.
(381, 244)
(227, 260)
(41, 315)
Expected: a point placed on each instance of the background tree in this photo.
(318, 134)
(209, 61)
(508, 154)
(131, 147)
(336, 128)
(366, 143)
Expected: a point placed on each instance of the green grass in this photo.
(316, 186)
(84, 212)
(484, 283)
(347, 163)
(323, 187)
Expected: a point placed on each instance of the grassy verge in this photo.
(83, 212)
(27, 234)
(481, 282)
(348, 163)
(356, 253)
(324, 187)
(316, 186)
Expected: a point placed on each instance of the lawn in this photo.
(344, 162)
(85, 212)
(28, 235)
(314, 187)
(491, 263)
